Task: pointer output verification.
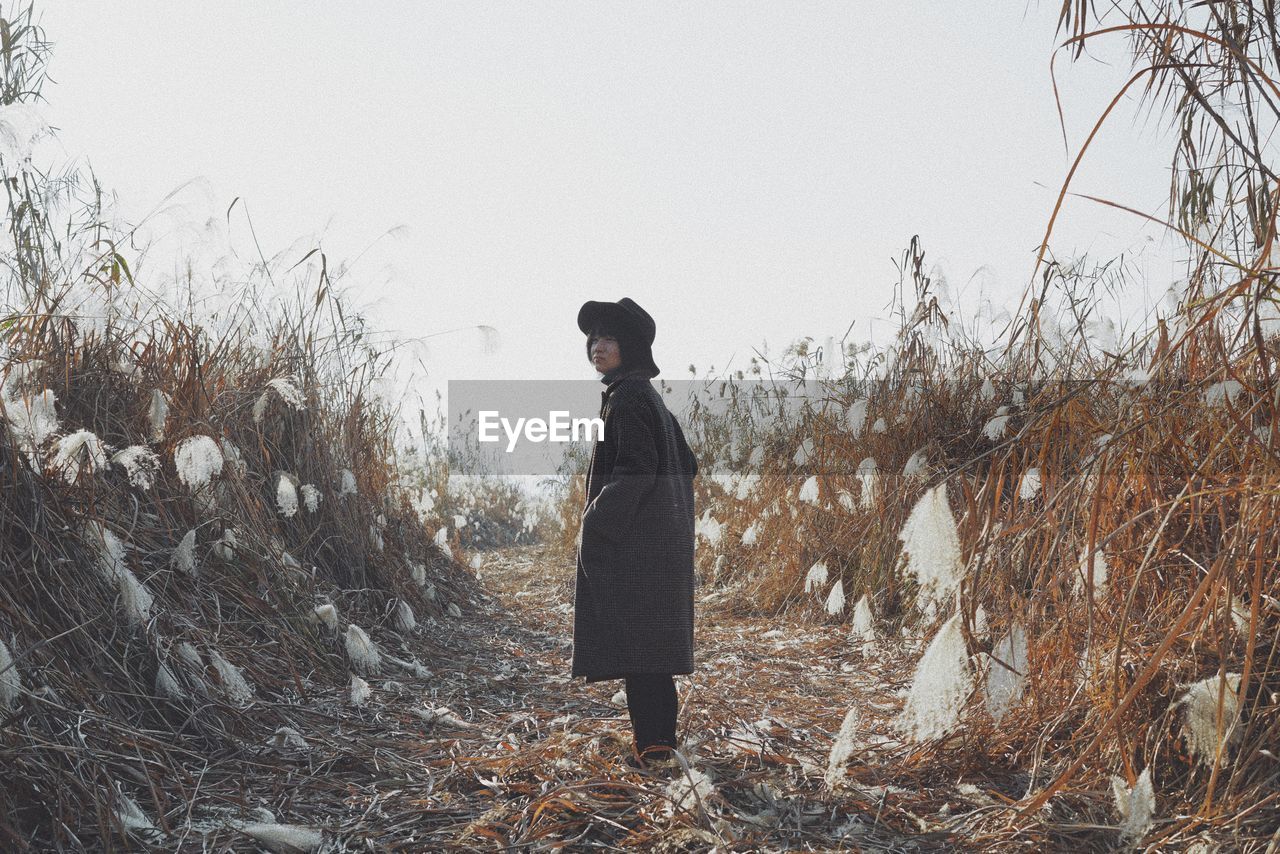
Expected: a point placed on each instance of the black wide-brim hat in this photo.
(630, 321)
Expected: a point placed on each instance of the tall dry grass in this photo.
(138, 666)
(1120, 512)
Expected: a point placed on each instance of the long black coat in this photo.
(633, 606)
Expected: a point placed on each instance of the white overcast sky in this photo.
(746, 171)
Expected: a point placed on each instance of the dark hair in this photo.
(601, 330)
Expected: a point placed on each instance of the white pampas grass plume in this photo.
(916, 465)
(809, 491)
(1029, 486)
(311, 497)
(1008, 673)
(135, 599)
(835, 599)
(932, 544)
(476, 562)
(405, 620)
(41, 419)
(816, 577)
(846, 500)
(234, 685)
(804, 453)
(288, 737)
(81, 452)
(33, 420)
(10, 679)
(184, 556)
(689, 791)
(197, 459)
(346, 483)
(988, 390)
(747, 484)
(362, 651)
(284, 389)
(867, 478)
(131, 815)
(283, 838)
(443, 715)
(756, 457)
(167, 684)
(286, 495)
(227, 544)
(1100, 571)
(750, 534)
(232, 457)
(190, 657)
(842, 748)
(430, 592)
(418, 572)
(708, 528)
(1206, 734)
(328, 615)
(855, 418)
(1136, 377)
(288, 392)
(454, 610)
(997, 426)
(157, 414)
(19, 374)
(1240, 616)
(141, 465)
(360, 691)
(880, 426)
(981, 627)
(942, 682)
(375, 537)
(1220, 394)
(442, 542)
(862, 627)
(1136, 806)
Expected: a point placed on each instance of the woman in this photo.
(633, 606)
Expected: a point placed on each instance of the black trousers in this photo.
(651, 700)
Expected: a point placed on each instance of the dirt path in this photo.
(496, 749)
(544, 755)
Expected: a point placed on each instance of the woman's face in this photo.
(605, 354)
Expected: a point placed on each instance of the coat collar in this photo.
(614, 378)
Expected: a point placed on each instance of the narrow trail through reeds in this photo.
(519, 756)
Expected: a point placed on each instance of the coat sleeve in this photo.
(614, 509)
